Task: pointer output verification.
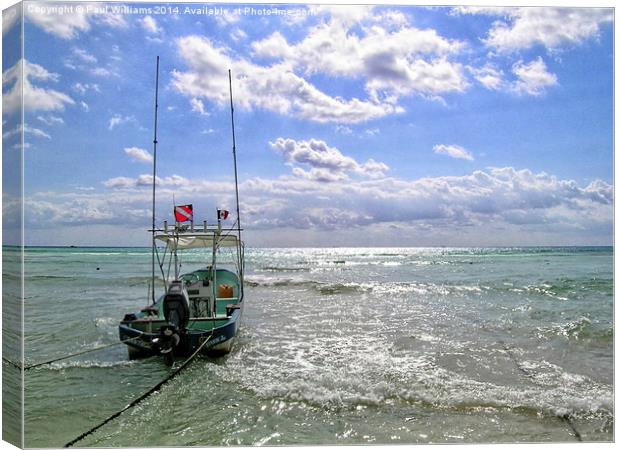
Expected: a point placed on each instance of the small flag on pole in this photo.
(183, 213)
(222, 214)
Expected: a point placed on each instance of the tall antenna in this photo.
(153, 249)
(234, 149)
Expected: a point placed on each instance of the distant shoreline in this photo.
(327, 247)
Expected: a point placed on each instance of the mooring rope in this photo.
(12, 363)
(565, 417)
(141, 397)
(32, 366)
(72, 355)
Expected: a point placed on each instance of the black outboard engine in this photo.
(176, 313)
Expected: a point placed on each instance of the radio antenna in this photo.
(153, 249)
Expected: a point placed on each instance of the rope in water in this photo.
(141, 397)
(81, 353)
(72, 355)
(565, 417)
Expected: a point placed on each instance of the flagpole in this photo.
(154, 178)
(234, 150)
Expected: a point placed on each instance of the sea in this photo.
(337, 346)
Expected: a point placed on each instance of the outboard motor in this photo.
(176, 313)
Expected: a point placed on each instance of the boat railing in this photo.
(194, 228)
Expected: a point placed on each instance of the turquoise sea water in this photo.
(337, 346)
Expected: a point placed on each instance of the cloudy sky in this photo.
(356, 125)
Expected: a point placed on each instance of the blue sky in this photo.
(356, 125)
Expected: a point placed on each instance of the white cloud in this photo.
(145, 180)
(34, 98)
(343, 129)
(552, 27)
(274, 88)
(327, 163)
(83, 88)
(58, 22)
(496, 206)
(238, 34)
(139, 155)
(454, 151)
(51, 120)
(84, 56)
(489, 76)
(10, 17)
(321, 175)
(149, 24)
(533, 78)
(84, 106)
(393, 62)
(103, 72)
(25, 129)
(118, 119)
(198, 106)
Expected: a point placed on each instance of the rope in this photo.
(79, 353)
(22, 367)
(14, 364)
(565, 417)
(142, 397)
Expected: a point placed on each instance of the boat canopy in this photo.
(198, 240)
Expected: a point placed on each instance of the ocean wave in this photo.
(282, 269)
(577, 329)
(86, 364)
(394, 288)
(429, 386)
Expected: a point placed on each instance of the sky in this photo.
(355, 125)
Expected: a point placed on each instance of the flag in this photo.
(222, 214)
(183, 213)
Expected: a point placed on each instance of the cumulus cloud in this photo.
(533, 78)
(488, 76)
(327, 163)
(454, 151)
(274, 88)
(18, 81)
(400, 61)
(139, 155)
(551, 27)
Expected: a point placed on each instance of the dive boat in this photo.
(201, 308)
(198, 311)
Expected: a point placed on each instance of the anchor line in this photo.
(90, 350)
(12, 363)
(146, 394)
(565, 417)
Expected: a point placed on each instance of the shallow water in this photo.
(337, 346)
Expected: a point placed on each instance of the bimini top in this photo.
(197, 240)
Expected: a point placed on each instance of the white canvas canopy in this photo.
(202, 240)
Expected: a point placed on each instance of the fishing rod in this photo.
(153, 249)
(234, 150)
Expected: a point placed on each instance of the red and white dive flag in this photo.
(183, 213)
(222, 214)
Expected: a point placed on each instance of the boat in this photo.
(199, 306)
(198, 311)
